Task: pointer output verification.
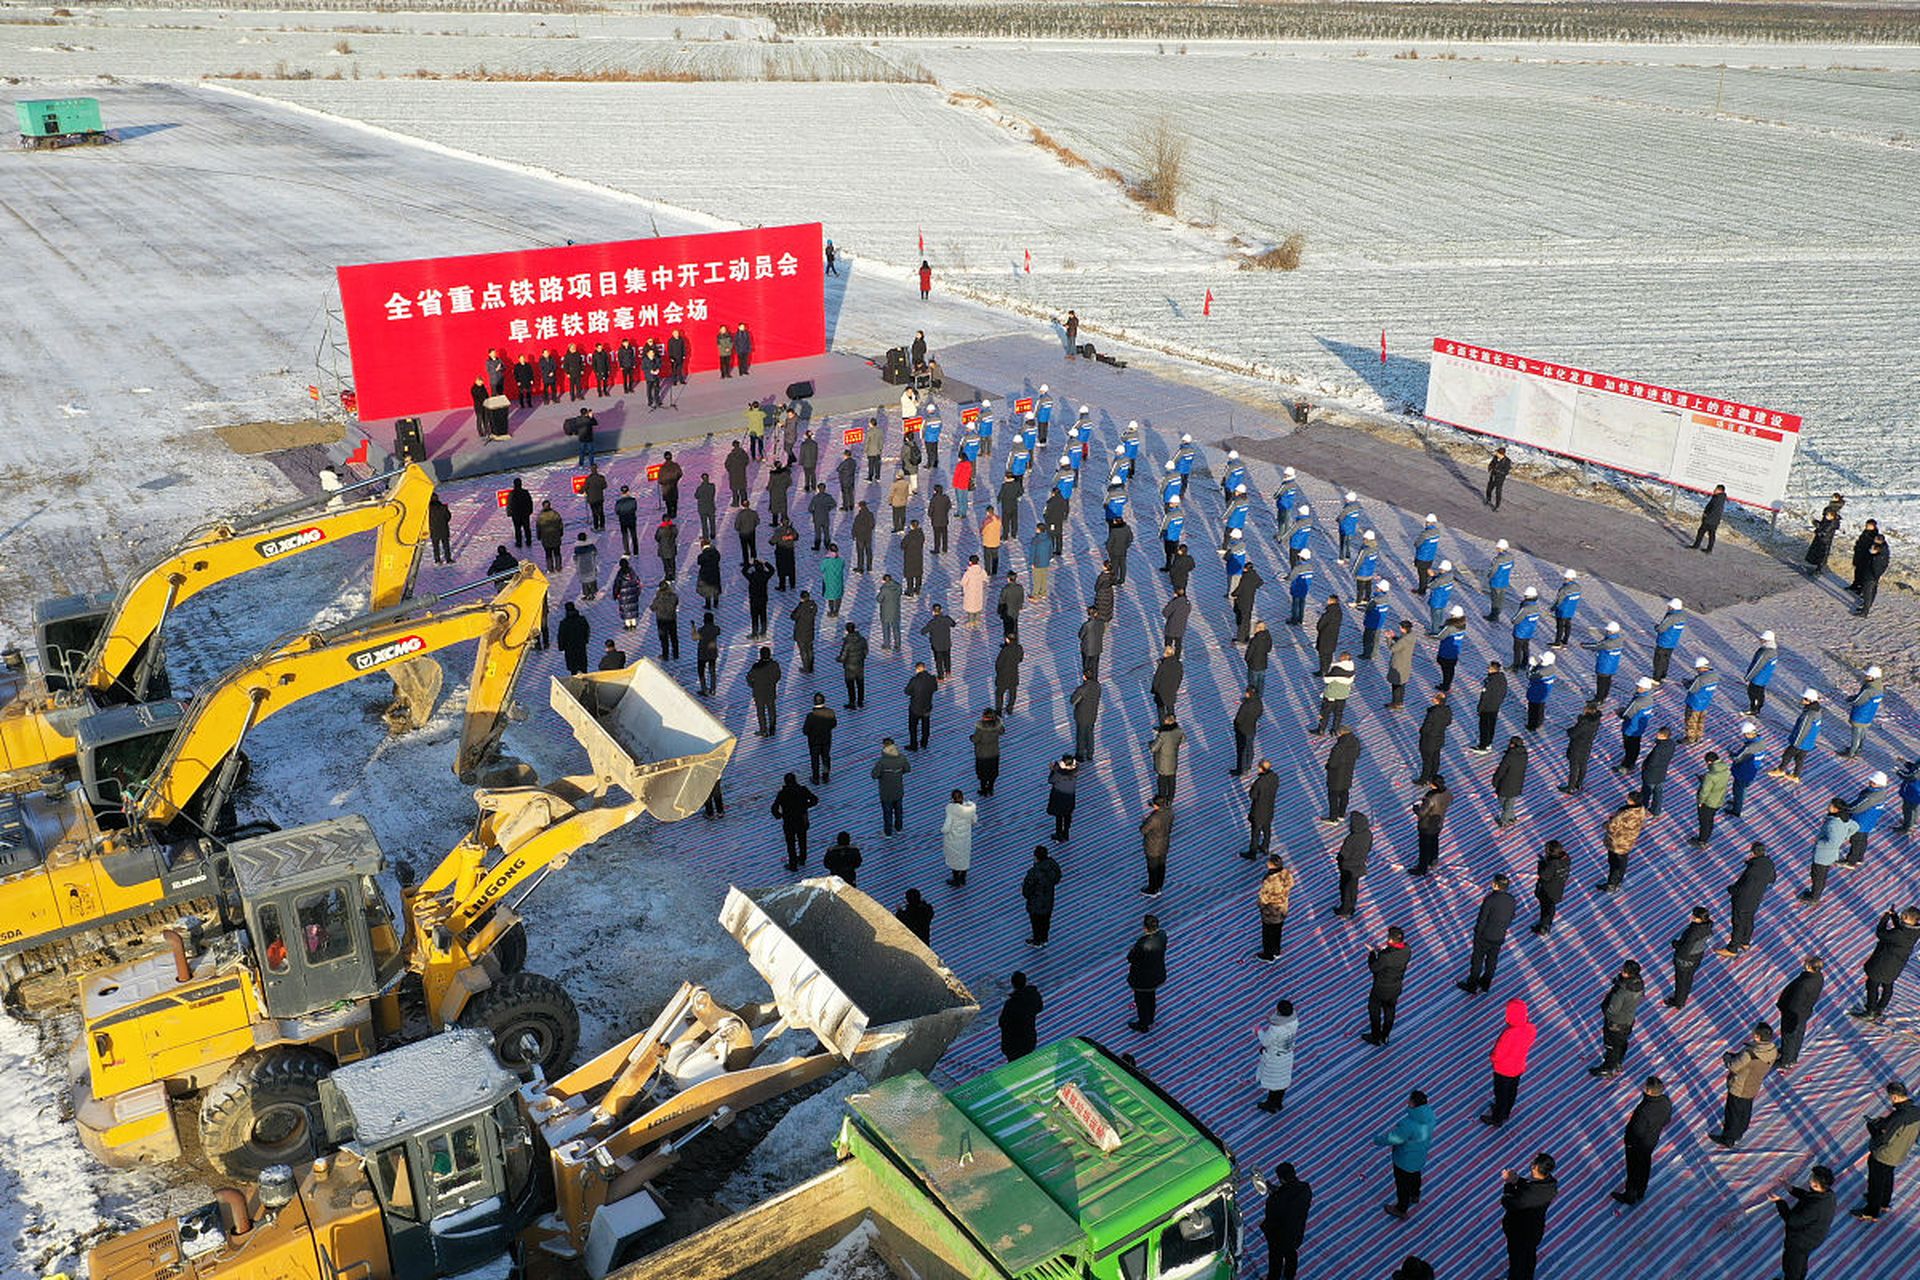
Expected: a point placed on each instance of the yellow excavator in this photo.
(447, 1159)
(329, 955)
(135, 845)
(99, 651)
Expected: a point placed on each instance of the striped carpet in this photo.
(1706, 1215)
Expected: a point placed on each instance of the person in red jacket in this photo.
(1509, 1062)
(962, 484)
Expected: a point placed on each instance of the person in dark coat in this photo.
(1258, 653)
(1020, 1019)
(1617, 1013)
(573, 636)
(986, 750)
(520, 511)
(1862, 549)
(1351, 862)
(706, 504)
(549, 377)
(1550, 884)
(1524, 1200)
(1433, 737)
(1894, 939)
(677, 353)
(1326, 633)
(917, 914)
(1289, 1200)
(843, 858)
(1006, 674)
(1748, 891)
(805, 616)
(1654, 770)
(1430, 816)
(735, 464)
(1796, 1005)
(1168, 675)
(1580, 736)
(526, 378)
(913, 556)
(863, 522)
(1342, 757)
(1164, 749)
(665, 607)
(1085, 700)
(1156, 837)
(1036, 888)
(763, 678)
(1493, 695)
(1246, 725)
(503, 562)
(1244, 597)
(1510, 780)
(921, 686)
(575, 364)
(1498, 467)
(1147, 972)
(1489, 935)
(1649, 1119)
(757, 573)
(1710, 518)
(853, 666)
(1891, 1140)
(1062, 782)
(602, 361)
(791, 805)
(1261, 795)
(440, 529)
(1821, 546)
(890, 772)
(1689, 949)
(1388, 965)
(611, 659)
(706, 652)
(1806, 1219)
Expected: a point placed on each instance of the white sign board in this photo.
(1691, 440)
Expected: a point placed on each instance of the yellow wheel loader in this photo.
(329, 955)
(446, 1160)
(135, 845)
(99, 651)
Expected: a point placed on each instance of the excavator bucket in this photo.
(646, 735)
(844, 968)
(416, 692)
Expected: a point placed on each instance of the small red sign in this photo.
(853, 435)
(579, 484)
(1098, 1128)
(653, 472)
(970, 414)
(1023, 405)
(500, 497)
(910, 425)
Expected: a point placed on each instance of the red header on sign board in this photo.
(853, 435)
(1023, 405)
(653, 471)
(970, 414)
(500, 496)
(910, 425)
(579, 484)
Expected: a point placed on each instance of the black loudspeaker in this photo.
(894, 369)
(1086, 350)
(409, 445)
(800, 390)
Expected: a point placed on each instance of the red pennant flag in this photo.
(923, 242)
(1206, 306)
(1383, 346)
(1029, 254)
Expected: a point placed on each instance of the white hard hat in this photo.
(1645, 683)
(1235, 533)
(1701, 664)
(1811, 695)
(1876, 779)
(1674, 603)
(1185, 438)
(1569, 575)
(1501, 545)
(1287, 472)
(1446, 566)
(1065, 461)
(1304, 555)
(1529, 594)
(1043, 388)
(1749, 728)
(1029, 417)
(985, 403)
(1432, 518)
(1239, 488)
(1232, 453)
(1350, 496)
(1613, 628)
(1546, 659)
(1168, 465)
(1873, 673)
(1133, 424)
(1379, 587)
(1118, 450)
(1302, 510)
(1766, 637)
(1084, 411)
(1367, 536)
(1174, 501)
(1458, 611)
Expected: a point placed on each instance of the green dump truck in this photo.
(59, 122)
(1063, 1165)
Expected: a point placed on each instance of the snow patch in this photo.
(797, 1148)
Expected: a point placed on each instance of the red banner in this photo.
(653, 471)
(579, 484)
(420, 330)
(854, 435)
(500, 496)
(970, 414)
(1023, 405)
(910, 425)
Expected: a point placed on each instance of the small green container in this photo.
(56, 120)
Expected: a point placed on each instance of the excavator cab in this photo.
(64, 633)
(118, 752)
(321, 919)
(446, 1146)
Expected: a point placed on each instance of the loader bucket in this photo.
(646, 735)
(844, 968)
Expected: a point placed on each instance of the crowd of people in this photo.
(1364, 613)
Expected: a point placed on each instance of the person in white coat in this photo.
(1276, 1055)
(956, 837)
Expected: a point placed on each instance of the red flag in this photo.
(1029, 254)
(1383, 346)
(1206, 306)
(923, 242)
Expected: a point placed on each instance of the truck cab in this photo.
(439, 1127)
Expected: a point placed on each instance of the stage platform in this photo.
(708, 407)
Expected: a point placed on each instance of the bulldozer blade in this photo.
(416, 690)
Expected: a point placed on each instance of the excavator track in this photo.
(42, 978)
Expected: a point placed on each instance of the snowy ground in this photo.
(227, 270)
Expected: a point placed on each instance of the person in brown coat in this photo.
(1276, 890)
(1622, 833)
(1747, 1067)
(1156, 834)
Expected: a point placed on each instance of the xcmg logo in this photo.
(380, 655)
(290, 542)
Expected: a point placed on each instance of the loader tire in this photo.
(532, 1019)
(264, 1110)
(511, 951)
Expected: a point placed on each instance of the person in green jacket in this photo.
(1714, 785)
(1410, 1138)
(833, 578)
